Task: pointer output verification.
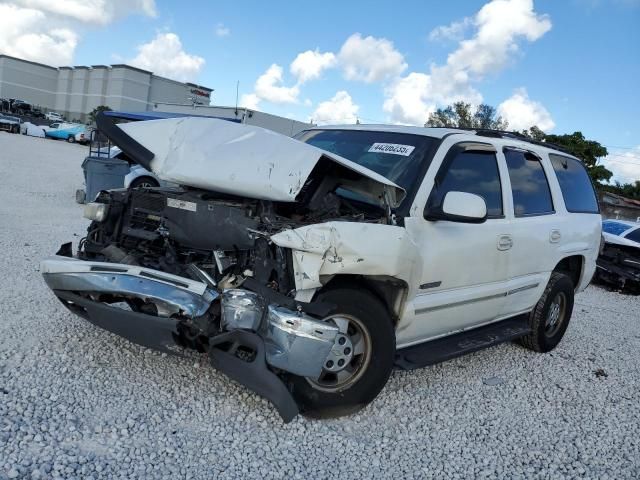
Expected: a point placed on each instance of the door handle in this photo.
(505, 242)
(555, 236)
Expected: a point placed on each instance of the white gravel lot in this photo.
(77, 402)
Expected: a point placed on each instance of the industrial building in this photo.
(76, 91)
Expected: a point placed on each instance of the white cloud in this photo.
(100, 12)
(269, 87)
(46, 32)
(250, 101)
(26, 33)
(222, 31)
(625, 165)
(454, 31)
(370, 59)
(498, 27)
(500, 24)
(165, 56)
(340, 109)
(309, 65)
(523, 113)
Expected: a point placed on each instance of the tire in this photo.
(71, 139)
(15, 129)
(144, 182)
(330, 397)
(550, 317)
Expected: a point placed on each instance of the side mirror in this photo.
(462, 207)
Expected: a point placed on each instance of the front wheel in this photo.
(550, 317)
(360, 362)
(71, 139)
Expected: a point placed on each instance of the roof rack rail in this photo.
(488, 132)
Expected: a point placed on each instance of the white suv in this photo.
(308, 268)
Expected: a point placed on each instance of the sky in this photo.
(565, 66)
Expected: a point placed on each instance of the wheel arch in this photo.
(391, 291)
(573, 267)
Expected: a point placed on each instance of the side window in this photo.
(634, 236)
(531, 193)
(577, 190)
(473, 172)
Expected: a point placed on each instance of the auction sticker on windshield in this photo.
(392, 148)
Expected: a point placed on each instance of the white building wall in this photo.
(40, 88)
(286, 126)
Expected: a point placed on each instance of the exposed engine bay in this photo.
(226, 239)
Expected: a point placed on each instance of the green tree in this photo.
(462, 115)
(98, 109)
(589, 151)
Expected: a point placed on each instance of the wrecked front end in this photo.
(618, 265)
(228, 263)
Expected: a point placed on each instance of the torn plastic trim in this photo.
(150, 331)
(252, 372)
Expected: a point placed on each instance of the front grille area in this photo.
(152, 202)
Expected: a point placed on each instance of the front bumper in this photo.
(282, 339)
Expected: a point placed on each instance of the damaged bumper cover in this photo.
(278, 337)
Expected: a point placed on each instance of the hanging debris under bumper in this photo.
(247, 336)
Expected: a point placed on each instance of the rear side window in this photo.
(474, 172)
(577, 190)
(531, 193)
(634, 236)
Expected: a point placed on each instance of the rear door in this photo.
(536, 230)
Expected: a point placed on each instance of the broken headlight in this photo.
(96, 211)
(242, 309)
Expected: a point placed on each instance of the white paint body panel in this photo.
(239, 159)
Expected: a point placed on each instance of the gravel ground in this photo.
(77, 402)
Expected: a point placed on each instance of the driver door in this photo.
(465, 265)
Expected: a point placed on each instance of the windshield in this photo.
(396, 156)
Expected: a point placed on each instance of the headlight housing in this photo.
(96, 211)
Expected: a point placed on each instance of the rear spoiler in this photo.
(136, 152)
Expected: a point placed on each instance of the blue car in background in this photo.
(71, 132)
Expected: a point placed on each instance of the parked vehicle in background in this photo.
(619, 260)
(28, 128)
(9, 124)
(308, 268)
(54, 117)
(20, 107)
(71, 132)
(138, 176)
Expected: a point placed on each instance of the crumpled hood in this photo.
(244, 160)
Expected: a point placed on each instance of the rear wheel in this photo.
(360, 362)
(550, 317)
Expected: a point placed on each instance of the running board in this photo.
(443, 349)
